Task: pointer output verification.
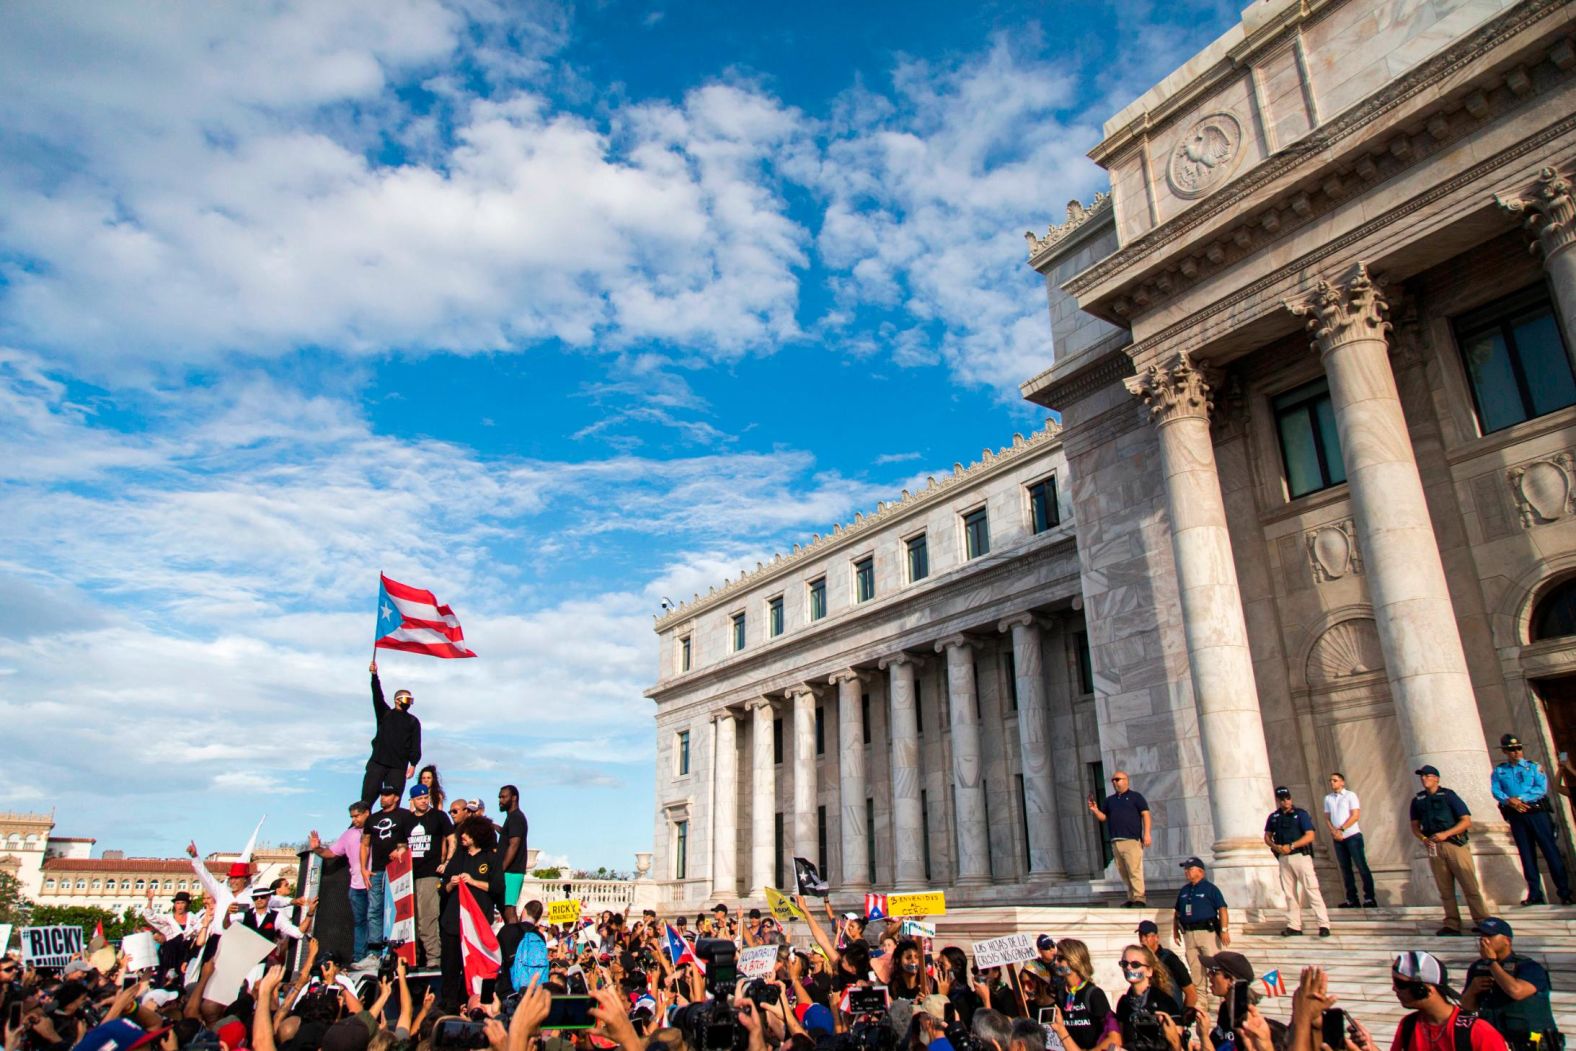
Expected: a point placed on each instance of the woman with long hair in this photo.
(475, 865)
(1150, 994)
(1083, 1016)
(906, 979)
(429, 777)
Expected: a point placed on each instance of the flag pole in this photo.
(377, 615)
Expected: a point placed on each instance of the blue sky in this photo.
(554, 310)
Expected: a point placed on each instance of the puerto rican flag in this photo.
(400, 905)
(875, 906)
(479, 950)
(410, 619)
(1274, 985)
(679, 950)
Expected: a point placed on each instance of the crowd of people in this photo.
(657, 983)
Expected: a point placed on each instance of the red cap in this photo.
(240, 870)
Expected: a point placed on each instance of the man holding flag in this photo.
(396, 743)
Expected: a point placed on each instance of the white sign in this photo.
(240, 950)
(5, 937)
(998, 952)
(142, 952)
(917, 929)
(757, 961)
(50, 946)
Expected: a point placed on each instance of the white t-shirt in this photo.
(1338, 806)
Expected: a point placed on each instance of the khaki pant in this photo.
(427, 918)
(1297, 878)
(1196, 944)
(1452, 864)
(1130, 866)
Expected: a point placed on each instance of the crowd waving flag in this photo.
(479, 952)
(410, 619)
(679, 950)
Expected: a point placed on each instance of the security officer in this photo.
(1199, 921)
(1522, 789)
(1440, 820)
(1510, 992)
(1288, 832)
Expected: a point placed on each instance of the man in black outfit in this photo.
(511, 847)
(1186, 992)
(396, 744)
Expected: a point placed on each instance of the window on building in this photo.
(686, 657)
(97, 884)
(864, 716)
(680, 849)
(820, 838)
(50, 884)
(924, 828)
(865, 579)
(1310, 446)
(1009, 669)
(774, 616)
(979, 693)
(918, 557)
(870, 838)
(990, 855)
(777, 740)
(976, 534)
(818, 598)
(1097, 788)
(1085, 665)
(919, 708)
(820, 730)
(738, 632)
(1043, 512)
(1554, 617)
(683, 752)
(1023, 812)
(1516, 360)
(777, 850)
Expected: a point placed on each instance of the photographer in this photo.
(1150, 993)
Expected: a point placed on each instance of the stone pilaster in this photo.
(1034, 735)
(804, 840)
(968, 781)
(908, 823)
(763, 800)
(725, 807)
(852, 788)
(1231, 730)
(1550, 213)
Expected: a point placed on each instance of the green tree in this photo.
(547, 873)
(13, 907)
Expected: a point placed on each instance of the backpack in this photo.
(1463, 1030)
(530, 961)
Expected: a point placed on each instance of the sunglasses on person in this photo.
(1117, 780)
(1134, 965)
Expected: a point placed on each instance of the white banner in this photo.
(757, 961)
(5, 937)
(142, 952)
(998, 952)
(239, 951)
(50, 946)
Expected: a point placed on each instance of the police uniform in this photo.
(1533, 829)
(1297, 878)
(1450, 861)
(1517, 1020)
(1198, 910)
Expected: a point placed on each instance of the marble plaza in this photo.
(1311, 506)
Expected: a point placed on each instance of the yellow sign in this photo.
(930, 903)
(783, 909)
(562, 912)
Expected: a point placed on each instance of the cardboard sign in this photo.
(917, 929)
(783, 910)
(240, 950)
(402, 906)
(563, 912)
(50, 946)
(142, 952)
(930, 903)
(998, 952)
(757, 961)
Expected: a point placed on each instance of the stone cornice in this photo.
(1098, 374)
(1078, 216)
(1459, 110)
(1549, 210)
(1175, 392)
(1343, 313)
(886, 512)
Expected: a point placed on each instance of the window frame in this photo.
(1054, 506)
(681, 753)
(739, 627)
(1305, 405)
(864, 569)
(922, 539)
(812, 588)
(980, 513)
(681, 849)
(1500, 314)
(686, 655)
(776, 616)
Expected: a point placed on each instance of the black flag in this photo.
(810, 882)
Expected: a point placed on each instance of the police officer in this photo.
(1440, 820)
(1510, 992)
(1199, 921)
(1288, 833)
(1522, 789)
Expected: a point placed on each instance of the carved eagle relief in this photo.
(1209, 146)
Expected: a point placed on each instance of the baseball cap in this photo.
(1422, 967)
(1192, 863)
(232, 1031)
(75, 967)
(1426, 769)
(1233, 964)
(1045, 941)
(816, 1017)
(347, 1034)
(417, 791)
(1148, 927)
(331, 956)
(1282, 792)
(1494, 925)
(386, 789)
(1509, 741)
(719, 907)
(119, 1035)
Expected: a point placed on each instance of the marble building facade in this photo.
(1312, 358)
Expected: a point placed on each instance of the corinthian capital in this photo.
(1550, 212)
(1173, 392)
(1344, 312)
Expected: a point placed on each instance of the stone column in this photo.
(1236, 758)
(908, 821)
(763, 800)
(855, 873)
(967, 767)
(1551, 214)
(1434, 705)
(1034, 735)
(725, 808)
(804, 842)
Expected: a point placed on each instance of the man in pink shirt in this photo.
(348, 846)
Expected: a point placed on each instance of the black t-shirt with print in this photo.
(1085, 1013)
(427, 833)
(387, 829)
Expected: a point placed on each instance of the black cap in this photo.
(1148, 927)
(719, 907)
(182, 895)
(1192, 863)
(755, 914)
(386, 789)
(1045, 941)
(1509, 741)
(329, 956)
(1425, 770)
(1233, 964)
(1282, 792)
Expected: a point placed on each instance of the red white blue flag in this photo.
(479, 952)
(1274, 985)
(875, 906)
(679, 950)
(410, 619)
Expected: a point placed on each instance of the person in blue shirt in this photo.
(1522, 790)
(1126, 817)
(1199, 921)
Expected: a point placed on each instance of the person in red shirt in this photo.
(1423, 987)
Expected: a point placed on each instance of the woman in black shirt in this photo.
(1149, 995)
(1083, 1017)
(477, 865)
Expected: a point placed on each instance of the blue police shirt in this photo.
(1523, 780)
(1124, 814)
(1199, 902)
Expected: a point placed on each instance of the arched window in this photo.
(169, 884)
(141, 884)
(1554, 617)
(51, 884)
(109, 884)
(82, 884)
(96, 885)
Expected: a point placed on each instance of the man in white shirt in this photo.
(1342, 808)
(221, 896)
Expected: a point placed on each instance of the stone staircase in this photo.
(1356, 956)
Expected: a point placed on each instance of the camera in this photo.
(388, 962)
(1146, 1031)
(872, 1001)
(710, 1025)
(458, 1034)
(760, 993)
(721, 958)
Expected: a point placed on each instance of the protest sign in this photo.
(782, 909)
(314, 878)
(142, 952)
(917, 929)
(562, 912)
(998, 952)
(5, 937)
(50, 946)
(757, 961)
(402, 899)
(930, 903)
(240, 950)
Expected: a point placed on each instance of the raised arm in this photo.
(816, 932)
(379, 705)
(210, 885)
